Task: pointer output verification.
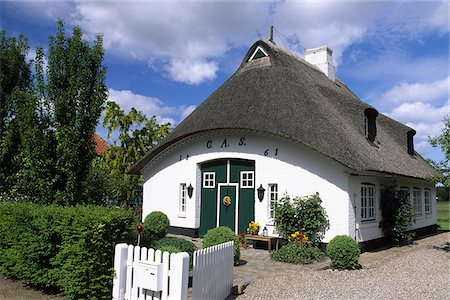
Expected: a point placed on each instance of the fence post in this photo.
(179, 275)
(120, 268)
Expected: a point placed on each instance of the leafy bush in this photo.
(65, 248)
(170, 249)
(177, 243)
(397, 214)
(297, 253)
(183, 245)
(156, 225)
(304, 214)
(344, 252)
(221, 235)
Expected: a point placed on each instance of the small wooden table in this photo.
(267, 239)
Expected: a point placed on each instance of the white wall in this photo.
(296, 169)
(365, 231)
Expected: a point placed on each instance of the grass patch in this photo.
(443, 214)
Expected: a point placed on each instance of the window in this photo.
(410, 141)
(405, 191)
(427, 200)
(367, 202)
(370, 123)
(258, 53)
(247, 179)
(183, 197)
(417, 201)
(209, 180)
(273, 198)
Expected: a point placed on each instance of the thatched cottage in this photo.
(281, 125)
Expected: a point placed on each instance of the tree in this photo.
(137, 135)
(54, 117)
(77, 91)
(15, 75)
(443, 166)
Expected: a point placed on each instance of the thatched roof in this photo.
(288, 97)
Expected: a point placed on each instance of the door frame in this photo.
(219, 203)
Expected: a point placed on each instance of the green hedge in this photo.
(68, 248)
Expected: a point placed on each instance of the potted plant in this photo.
(253, 228)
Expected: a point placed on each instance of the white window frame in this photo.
(427, 201)
(247, 183)
(183, 198)
(273, 198)
(209, 180)
(417, 201)
(256, 51)
(406, 189)
(368, 202)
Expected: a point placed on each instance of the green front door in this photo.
(212, 173)
(220, 178)
(227, 202)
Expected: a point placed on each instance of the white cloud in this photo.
(150, 106)
(420, 112)
(171, 34)
(184, 37)
(192, 72)
(413, 92)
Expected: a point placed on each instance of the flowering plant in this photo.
(298, 237)
(253, 227)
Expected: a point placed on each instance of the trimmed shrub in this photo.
(297, 253)
(70, 249)
(183, 245)
(178, 243)
(156, 225)
(221, 235)
(344, 252)
(170, 249)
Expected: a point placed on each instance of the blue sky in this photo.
(165, 58)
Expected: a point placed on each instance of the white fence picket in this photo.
(212, 273)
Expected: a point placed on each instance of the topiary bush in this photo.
(175, 243)
(156, 225)
(297, 253)
(70, 249)
(221, 235)
(170, 249)
(344, 252)
(183, 245)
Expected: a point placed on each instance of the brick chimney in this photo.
(321, 58)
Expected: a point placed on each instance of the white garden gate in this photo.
(143, 273)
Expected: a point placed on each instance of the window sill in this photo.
(182, 215)
(270, 222)
(369, 224)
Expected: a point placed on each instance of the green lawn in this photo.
(443, 215)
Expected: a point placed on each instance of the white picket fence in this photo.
(212, 276)
(143, 273)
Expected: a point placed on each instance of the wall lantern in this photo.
(261, 191)
(190, 189)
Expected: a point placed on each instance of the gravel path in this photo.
(410, 272)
